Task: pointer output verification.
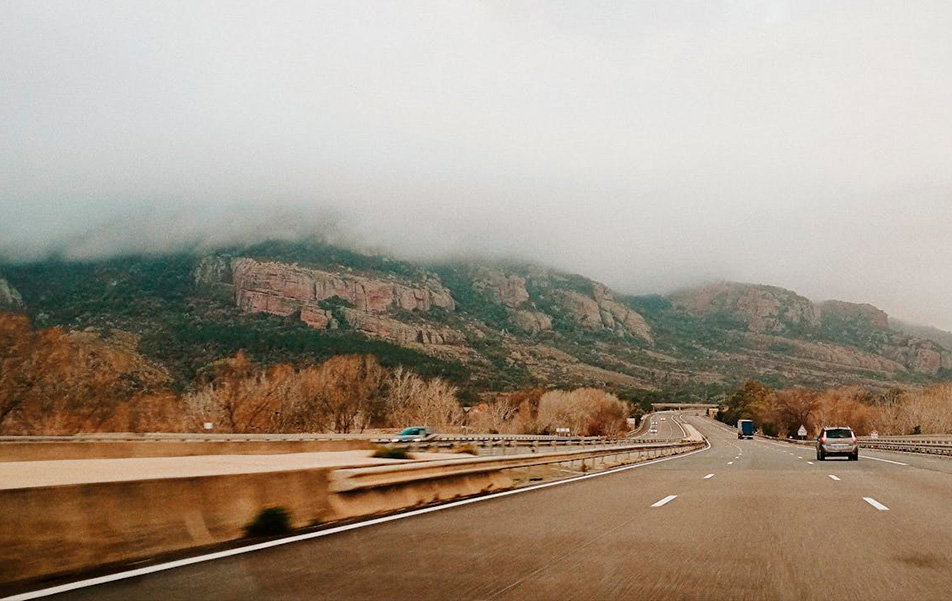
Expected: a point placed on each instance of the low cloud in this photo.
(652, 146)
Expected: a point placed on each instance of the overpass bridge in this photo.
(683, 406)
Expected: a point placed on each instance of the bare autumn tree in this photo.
(342, 394)
(845, 407)
(920, 411)
(526, 420)
(54, 382)
(236, 397)
(586, 411)
(27, 359)
(411, 400)
(495, 416)
(794, 408)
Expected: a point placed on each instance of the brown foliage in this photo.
(410, 400)
(586, 411)
(343, 394)
(52, 382)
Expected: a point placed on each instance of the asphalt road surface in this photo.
(744, 519)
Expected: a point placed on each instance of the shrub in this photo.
(391, 453)
(271, 521)
(466, 448)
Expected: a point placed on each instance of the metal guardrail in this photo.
(376, 438)
(908, 446)
(350, 480)
(933, 445)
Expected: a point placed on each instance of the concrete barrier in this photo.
(57, 530)
(63, 529)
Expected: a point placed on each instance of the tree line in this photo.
(897, 412)
(53, 381)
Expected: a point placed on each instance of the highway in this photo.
(743, 519)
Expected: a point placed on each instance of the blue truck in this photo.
(745, 428)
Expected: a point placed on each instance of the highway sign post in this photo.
(802, 432)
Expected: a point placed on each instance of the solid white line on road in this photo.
(884, 460)
(665, 501)
(80, 584)
(875, 503)
(708, 476)
(832, 477)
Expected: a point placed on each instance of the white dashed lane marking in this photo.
(875, 503)
(708, 476)
(885, 460)
(665, 501)
(832, 477)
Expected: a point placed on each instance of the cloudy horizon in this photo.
(650, 145)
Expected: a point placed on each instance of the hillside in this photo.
(483, 326)
(940, 337)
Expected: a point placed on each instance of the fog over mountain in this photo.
(649, 145)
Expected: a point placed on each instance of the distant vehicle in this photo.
(662, 419)
(839, 440)
(745, 428)
(414, 434)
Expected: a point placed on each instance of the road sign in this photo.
(874, 434)
(802, 431)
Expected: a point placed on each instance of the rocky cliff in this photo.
(313, 294)
(487, 326)
(848, 326)
(762, 309)
(508, 289)
(534, 298)
(10, 299)
(861, 314)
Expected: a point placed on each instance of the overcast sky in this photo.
(650, 145)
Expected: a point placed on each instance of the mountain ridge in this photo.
(490, 326)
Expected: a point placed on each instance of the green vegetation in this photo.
(324, 256)
(457, 277)
(155, 299)
(186, 329)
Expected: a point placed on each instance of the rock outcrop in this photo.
(530, 321)
(601, 310)
(761, 309)
(10, 299)
(860, 313)
(921, 356)
(507, 289)
(399, 332)
(273, 287)
(857, 334)
(288, 289)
